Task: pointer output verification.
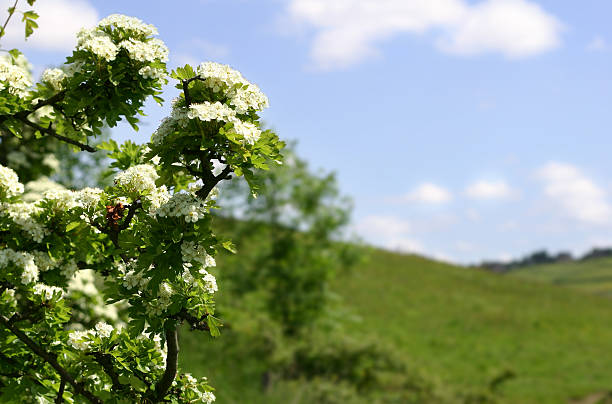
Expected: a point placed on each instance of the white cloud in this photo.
(579, 196)
(348, 31)
(429, 193)
(514, 28)
(489, 190)
(58, 24)
(597, 44)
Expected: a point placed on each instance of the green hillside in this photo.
(467, 330)
(592, 276)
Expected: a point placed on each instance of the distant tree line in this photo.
(541, 257)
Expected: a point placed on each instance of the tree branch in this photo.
(164, 384)
(51, 360)
(105, 361)
(60, 394)
(51, 132)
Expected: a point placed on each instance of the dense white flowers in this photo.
(22, 260)
(54, 78)
(139, 179)
(47, 292)
(103, 329)
(14, 76)
(9, 183)
(208, 111)
(97, 42)
(88, 198)
(193, 252)
(243, 95)
(83, 340)
(249, 132)
(62, 199)
(149, 72)
(149, 51)
(127, 23)
(140, 47)
(22, 214)
(157, 198)
(188, 206)
(210, 282)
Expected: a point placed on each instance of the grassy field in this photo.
(592, 276)
(462, 328)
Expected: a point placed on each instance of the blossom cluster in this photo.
(83, 340)
(185, 205)
(9, 183)
(23, 215)
(139, 179)
(23, 260)
(14, 75)
(54, 78)
(243, 95)
(102, 41)
(47, 292)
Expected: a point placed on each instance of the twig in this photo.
(56, 135)
(11, 12)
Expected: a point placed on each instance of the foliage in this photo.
(146, 239)
(289, 238)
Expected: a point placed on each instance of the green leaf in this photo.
(137, 383)
(213, 325)
(72, 226)
(229, 246)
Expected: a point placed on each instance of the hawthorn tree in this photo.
(147, 237)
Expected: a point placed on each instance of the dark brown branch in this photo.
(186, 88)
(164, 384)
(60, 393)
(212, 181)
(131, 211)
(56, 135)
(51, 360)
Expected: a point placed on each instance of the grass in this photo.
(462, 328)
(591, 276)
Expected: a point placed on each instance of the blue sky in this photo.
(462, 129)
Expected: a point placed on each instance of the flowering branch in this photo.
(51, 360)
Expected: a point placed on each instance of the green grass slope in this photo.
(592, 276)
(464, 328)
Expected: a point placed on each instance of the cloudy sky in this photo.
(463, 129)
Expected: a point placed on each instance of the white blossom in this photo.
(188, 206)
(140, 178)
(47, 291)
(103, 329)
(81, 339)
(54, 78)
(14, 76)
(208, 111)
(127, 23)
(210, 283)
(9, 183)
(23, 215)
(63, 199)
(98, 43)
(193, 252)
